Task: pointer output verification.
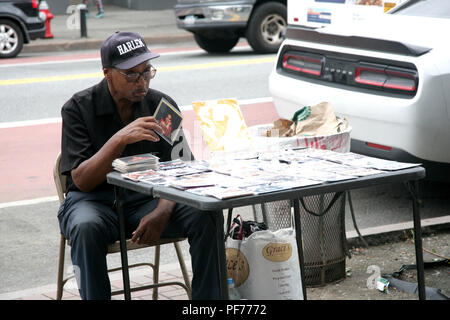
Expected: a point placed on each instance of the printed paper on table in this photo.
(222, 124)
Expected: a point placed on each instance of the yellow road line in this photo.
(160, 69)
(218, 64)
(51, 79)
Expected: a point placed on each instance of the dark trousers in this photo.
(89, 222)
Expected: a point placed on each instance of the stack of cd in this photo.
(136, 163)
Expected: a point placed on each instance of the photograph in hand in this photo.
(169, 118)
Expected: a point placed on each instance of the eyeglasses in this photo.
(134, 76)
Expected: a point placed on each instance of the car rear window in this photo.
(426, 8)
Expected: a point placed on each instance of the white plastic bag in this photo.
(265, 265)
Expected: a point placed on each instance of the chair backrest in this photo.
(60, 179)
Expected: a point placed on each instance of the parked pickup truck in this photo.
(218, 25)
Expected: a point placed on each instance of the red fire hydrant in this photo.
(45, 14)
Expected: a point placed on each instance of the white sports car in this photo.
(390, 77)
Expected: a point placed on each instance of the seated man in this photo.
(114, 119)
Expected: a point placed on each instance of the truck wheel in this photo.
(11, 39)
(266, 27)
(215, 45)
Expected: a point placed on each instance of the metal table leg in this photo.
(227, 231)
(298, 236)
(222, 261)
(123, 242)
(414, 190)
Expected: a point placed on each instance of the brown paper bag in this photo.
(317, 120)
(282, 128)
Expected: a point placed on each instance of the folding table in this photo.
(410, 176)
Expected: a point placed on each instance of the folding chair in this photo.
(60, 182)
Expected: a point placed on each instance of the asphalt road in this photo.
(35, 89)
(38, 89)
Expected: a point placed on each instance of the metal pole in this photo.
(83, 25)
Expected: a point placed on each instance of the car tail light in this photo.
(35, 3)
(400, 79)
(378, 146)
(385, 77)
(303, 63)
(370, 76)
(350, 72)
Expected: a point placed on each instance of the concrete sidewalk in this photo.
(156, 27)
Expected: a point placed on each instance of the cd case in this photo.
(169, 118)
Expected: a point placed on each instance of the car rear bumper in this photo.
(37, 33)
(35, 28)
(396, 125)
(217, 15)
(439, 171)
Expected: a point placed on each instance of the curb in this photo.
(397, 232)
(94, 44)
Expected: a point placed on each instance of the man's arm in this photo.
(92, 172)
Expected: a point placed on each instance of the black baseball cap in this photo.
(125, 50)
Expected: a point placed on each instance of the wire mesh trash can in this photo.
(324, 238)
(323, 233)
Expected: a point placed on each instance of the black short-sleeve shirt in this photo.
(90, 118)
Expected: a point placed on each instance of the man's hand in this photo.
(140, 129)
(152, 225)
(92, 172)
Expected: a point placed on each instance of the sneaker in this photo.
(99, 15)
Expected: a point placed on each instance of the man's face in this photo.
(131, 84)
